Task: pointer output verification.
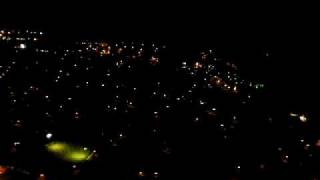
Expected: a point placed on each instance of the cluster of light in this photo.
(205, 74)
(18, 36)
(303, 118)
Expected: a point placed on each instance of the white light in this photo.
(303, 118)
(22, 46)
(49, 135)
(307, 145)
(235, 88)
(293, 115)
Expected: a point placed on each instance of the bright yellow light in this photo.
(57, 147)
(77, 156)
(69, 152)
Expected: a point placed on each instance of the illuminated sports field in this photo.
(69, 152)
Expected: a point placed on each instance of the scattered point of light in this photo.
(184, 65)
(141, 174)
(22, 46)
(202, 102)
(307, 146)
(156, 174)
(235, 88)
(303, 118)
(293, 115)
(49, 135)
(42, 177)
